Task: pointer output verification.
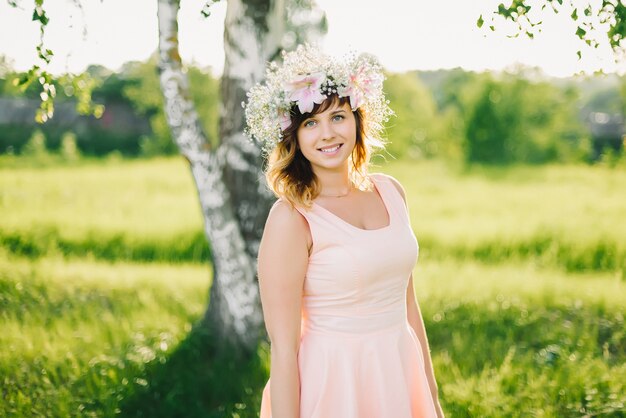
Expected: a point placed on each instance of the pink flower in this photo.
(305, 91)
(284, 119)
(360, 85)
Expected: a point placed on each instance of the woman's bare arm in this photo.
(414, 316)
(282, 263)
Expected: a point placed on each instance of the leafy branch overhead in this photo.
(596, 22)
(77, 86)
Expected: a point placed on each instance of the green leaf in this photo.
(579, 54)
(98, 111)
(575, 14)
(40, 15)
(22, 80)
(480, 22)
(580, 32)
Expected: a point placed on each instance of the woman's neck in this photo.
(335, 183)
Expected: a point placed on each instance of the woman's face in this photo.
(327, 139)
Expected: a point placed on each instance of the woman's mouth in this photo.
(331, 150)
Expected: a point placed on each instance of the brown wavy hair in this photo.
(289, 174)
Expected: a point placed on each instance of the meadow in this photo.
(104, 272)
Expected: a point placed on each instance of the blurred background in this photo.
(510, 148)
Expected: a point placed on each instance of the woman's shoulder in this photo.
(284, 209)
(287, 223)
(390, 179)
(284, 215)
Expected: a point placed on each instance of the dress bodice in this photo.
(357, 278)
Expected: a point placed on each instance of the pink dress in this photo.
(358, 356)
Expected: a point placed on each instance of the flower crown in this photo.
(307, 77)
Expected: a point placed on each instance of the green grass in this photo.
(568, 216)
(36, 242)
(520, 356)
(142, 199)
(571, 217)
(518, 340)
(103, 275)
(78, 335)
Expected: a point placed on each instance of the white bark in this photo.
(230, 183)
(235, 307)
(253, 32)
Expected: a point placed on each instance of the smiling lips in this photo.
(330, 149)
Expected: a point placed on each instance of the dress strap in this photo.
(392, 196)
(322, 229)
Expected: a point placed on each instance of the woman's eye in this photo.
(338, 117)
(309, 123)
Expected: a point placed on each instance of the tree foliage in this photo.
(79, 86)
(597, 21)
(136, 85)
(508, 119)
(143, 91)
(413, 129)
(526, 15)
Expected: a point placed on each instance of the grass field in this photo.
(103, 273)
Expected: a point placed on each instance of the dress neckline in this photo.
(386, 206)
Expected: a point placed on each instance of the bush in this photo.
(69, 150)
(515, 120)
(36, 145)
(413, 131)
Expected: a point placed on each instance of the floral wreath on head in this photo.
(308, 77)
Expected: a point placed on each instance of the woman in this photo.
(335, 261)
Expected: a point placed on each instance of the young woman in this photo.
(336, 258)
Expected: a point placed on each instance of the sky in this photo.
(404, 34)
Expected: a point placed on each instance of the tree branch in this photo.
(525, 16)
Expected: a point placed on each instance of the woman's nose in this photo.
(327, 130)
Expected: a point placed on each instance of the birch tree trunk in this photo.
(229, 179)
(234, 313)
(252, 36)
(254, 33)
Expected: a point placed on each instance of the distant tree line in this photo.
(508, 117)
(132, 120)
(494, 118)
